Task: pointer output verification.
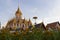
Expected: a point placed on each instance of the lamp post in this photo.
(35, 19)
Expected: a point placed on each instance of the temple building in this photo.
(18, 22)
(53, 26)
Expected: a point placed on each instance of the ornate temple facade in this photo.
(17, 22)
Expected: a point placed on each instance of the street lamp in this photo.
(35, 19)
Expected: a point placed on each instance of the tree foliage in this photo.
(36, 34)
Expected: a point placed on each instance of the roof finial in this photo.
(18, 10)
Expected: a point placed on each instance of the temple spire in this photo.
(29, 22)
(18, 12)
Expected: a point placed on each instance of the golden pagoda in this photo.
(18, 22)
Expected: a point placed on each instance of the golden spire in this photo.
(18, 10)
(29, 21)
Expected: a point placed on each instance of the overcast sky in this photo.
(46, 10)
